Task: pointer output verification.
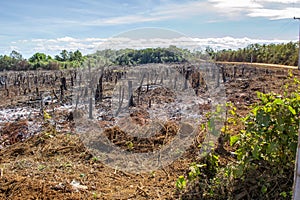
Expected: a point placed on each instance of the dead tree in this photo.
(121, 99)
(90, 108)
(63, 81)
(223, 74)
(234, 71)
(187, 75)
(6, 88)
(139, 90)
(99, 90)
(130, 95)
(61, 93)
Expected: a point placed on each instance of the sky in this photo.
(49, 26)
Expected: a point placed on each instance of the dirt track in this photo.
(258, 65)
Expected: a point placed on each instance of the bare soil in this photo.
(54, 163)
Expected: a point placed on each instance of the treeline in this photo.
(150, 55)
(65, 59)
(70, 59)
(284, 54)
(131, 57)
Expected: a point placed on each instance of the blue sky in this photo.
(50, 26)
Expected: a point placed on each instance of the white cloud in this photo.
(250, 8)
(274, 13)
(280, 1)
(234, 43)
(233, 10)
(235, 5)
(129, 19)
(158, 13)
(66, 39)
(255, 8)
(212, 10)
(182, 9)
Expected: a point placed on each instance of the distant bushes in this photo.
(284, 53)
(150, 55)
(132, 57)
(15, 61)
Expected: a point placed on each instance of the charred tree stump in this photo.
(243, 71)
(218, 77)
(187, 75)
(149, 103)
(139, 90)
(121, 98)
(99, 90)
(72, 81)
(6, 88)
(147, 83)
(54, 94)
(175, 82)
(63, 81)
(37, 91)
(61, 92)
(90, 108)
(130, 95)
(234, 72)
(223, 74)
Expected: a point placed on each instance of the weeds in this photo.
(265, 150)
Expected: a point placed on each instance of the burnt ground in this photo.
(53, 163)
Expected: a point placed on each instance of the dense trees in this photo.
(285, 54)
(149, 55)
(69, 56)
(15, 61)
(141, 56)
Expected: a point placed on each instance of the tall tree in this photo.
(16, 55)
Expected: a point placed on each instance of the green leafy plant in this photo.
(130, 145)
(264, 144)
(271, 132)
(267, 146)
(181, 183)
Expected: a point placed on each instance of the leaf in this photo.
(278, 101)
(181, 182)
(255, 152)
(292, 110)
(264, 189)
(46, 115)
(238, 172)
(283, 194)
(271, 148)
(234, 139)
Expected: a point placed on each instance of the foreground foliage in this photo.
(263, 161)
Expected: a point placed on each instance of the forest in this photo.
(15, 61)
(284, 53)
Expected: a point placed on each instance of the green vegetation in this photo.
(65, 59)
(131, 57)
(285, 54)
(264, 152)
(15, 61)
